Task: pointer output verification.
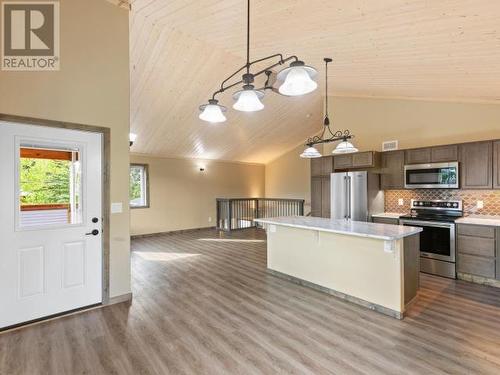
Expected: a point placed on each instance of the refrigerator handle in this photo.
(346, 198)
(349, 197)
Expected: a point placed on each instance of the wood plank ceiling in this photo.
(182, 49)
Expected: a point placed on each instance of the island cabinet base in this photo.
(380, 275)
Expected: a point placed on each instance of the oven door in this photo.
(437, 239)
(432, 176)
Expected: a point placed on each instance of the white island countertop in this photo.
(384, 232)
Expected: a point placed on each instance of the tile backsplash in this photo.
(490, 198)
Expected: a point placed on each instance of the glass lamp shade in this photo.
(344, 147)
(297, 80)
(310, 152)
(212, 112)
(248, 100)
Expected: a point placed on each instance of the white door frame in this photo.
(106, 138)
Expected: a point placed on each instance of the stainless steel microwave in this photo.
(432, 176)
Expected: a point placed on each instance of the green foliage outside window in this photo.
(44, 181)
(135, 183)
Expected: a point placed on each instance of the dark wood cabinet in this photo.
(320, 196)
(476, 165)
(496, 165)
(444, 153)
(478, 250)
(418, 156)
(392, 176)
(366, 159)
(437, 154)
(322, 166)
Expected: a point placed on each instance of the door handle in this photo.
(95, 232)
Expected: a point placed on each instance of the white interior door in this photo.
(50, 200)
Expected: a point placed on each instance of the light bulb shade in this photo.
(297, 79)
(212, 112)
(344, 147)
(248, 100)
(310, 153)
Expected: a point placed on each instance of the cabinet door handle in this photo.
(95, 232)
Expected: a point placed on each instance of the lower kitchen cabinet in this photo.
(320, 197)
(478, 250)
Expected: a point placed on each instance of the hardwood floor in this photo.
(204, 304)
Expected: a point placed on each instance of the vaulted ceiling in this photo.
(182, 49)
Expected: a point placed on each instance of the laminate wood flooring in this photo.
(204, 304)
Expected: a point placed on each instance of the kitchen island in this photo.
(373, 265)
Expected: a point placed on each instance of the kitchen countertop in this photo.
(389, 215)
(385, 232)
(480, 220)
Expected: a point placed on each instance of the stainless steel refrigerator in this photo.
(355, 195)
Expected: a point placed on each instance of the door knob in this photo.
(95, 232)
(95, 219)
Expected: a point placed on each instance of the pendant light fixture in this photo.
(297, 79)
(327, 136)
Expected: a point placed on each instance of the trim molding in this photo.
(478, 279)
(127, 297)
(134, 236)
(355, 300)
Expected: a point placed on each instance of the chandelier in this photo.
(327, 135)
(297, 79)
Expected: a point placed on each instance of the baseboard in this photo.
(478, 279)
(169, 232)
(127, 297)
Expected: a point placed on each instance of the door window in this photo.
(49, 186)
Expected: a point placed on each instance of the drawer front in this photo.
(362, 159)
(342, 161)
(385, 220)
(476, 246)
(476, 230)
(474, 265)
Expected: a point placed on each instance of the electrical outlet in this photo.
(480, 204)
(401, 201)
(210, 219)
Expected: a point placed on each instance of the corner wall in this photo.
(183, 197)
(92, 88)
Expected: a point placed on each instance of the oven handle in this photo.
(428, 223)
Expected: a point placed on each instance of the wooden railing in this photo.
(239, 213)
(44, 214)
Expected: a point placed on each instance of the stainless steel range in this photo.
(437, 241)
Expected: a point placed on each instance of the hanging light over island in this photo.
(295, 80)
(327, 135)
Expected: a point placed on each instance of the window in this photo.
(49, 186)
(139, 186)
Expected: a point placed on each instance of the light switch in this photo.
(117, 208)
(272, 228)
(480, 204)
(389, 246)
(401, 202)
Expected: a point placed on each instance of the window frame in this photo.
(145, 168)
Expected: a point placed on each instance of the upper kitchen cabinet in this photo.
(321, 166)
(367, 159)
(496, 165)
(476, 165)
(436, 154)
(418, 156)
(392, 176)
(444, 153)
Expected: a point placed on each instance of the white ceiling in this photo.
(182, 49)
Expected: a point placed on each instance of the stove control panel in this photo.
(436, 205)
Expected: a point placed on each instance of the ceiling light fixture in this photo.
(340, 135)
(131, 138)
(297, 79)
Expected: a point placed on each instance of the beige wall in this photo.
(285, 178)
(91, 88)
(413, 123)
(183, 197)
